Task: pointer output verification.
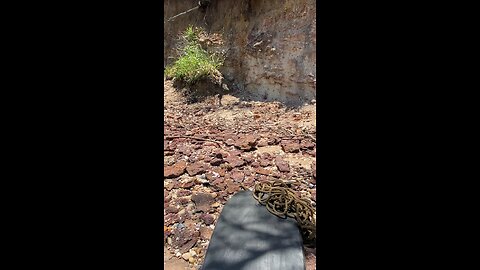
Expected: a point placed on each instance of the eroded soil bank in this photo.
(270, 44)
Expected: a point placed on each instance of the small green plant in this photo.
(194, 62)
(191, 34)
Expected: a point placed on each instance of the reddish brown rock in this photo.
(262, 178)
(184, 239)
(282, 165)
(268, 156)
(210, 144)
(219, 153)
(185, 217)
(235, 161)
(226, 166)
(262, 142)
(235, 153)
(183, 200)
(290, 146)
(264, 162)
(237, 176)
(219, 184)
(165, 145)
(202, 201)
(178, 141)
(183, 149)
(307, 144)
(170, 186)
(232, 187)
(222, 197)
(176, 170)
(170, 219)
(272, 141)
(190, 244)
(187, 184)
(311, 152)
(263, 171)
(216, 161)
(220, 171)
(183, 192)
(206, 233)
(197, 146)
(246, 142)
(195, 168)
(177, 184)
(207, 218)
(248, 159)
(276, 174)
(249, 180)
(210, 177)
(171, 209)
(255, 164)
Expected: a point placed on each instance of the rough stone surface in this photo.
(282, 165)
(237, 176)
(206, 232)
(216, 161)
(175, 170)
(290, 147)
(207, 218)
(235, 161)
(246, 143)
(263, 171)
(184, 239)
(195, 168)
(202, 201)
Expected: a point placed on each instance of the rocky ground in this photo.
(211, 147)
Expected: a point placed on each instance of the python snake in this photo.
(280, 200)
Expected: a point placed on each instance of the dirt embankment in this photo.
(270, 45)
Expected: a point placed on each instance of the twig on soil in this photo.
(191, 137)
(289, 137)
(311, 137)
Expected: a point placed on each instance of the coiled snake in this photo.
(280, 200)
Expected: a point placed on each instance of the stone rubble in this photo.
(256, 141)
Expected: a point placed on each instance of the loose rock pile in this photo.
(211, 150)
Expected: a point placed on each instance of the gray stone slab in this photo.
(248, 237)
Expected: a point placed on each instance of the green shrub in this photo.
(194, 62)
